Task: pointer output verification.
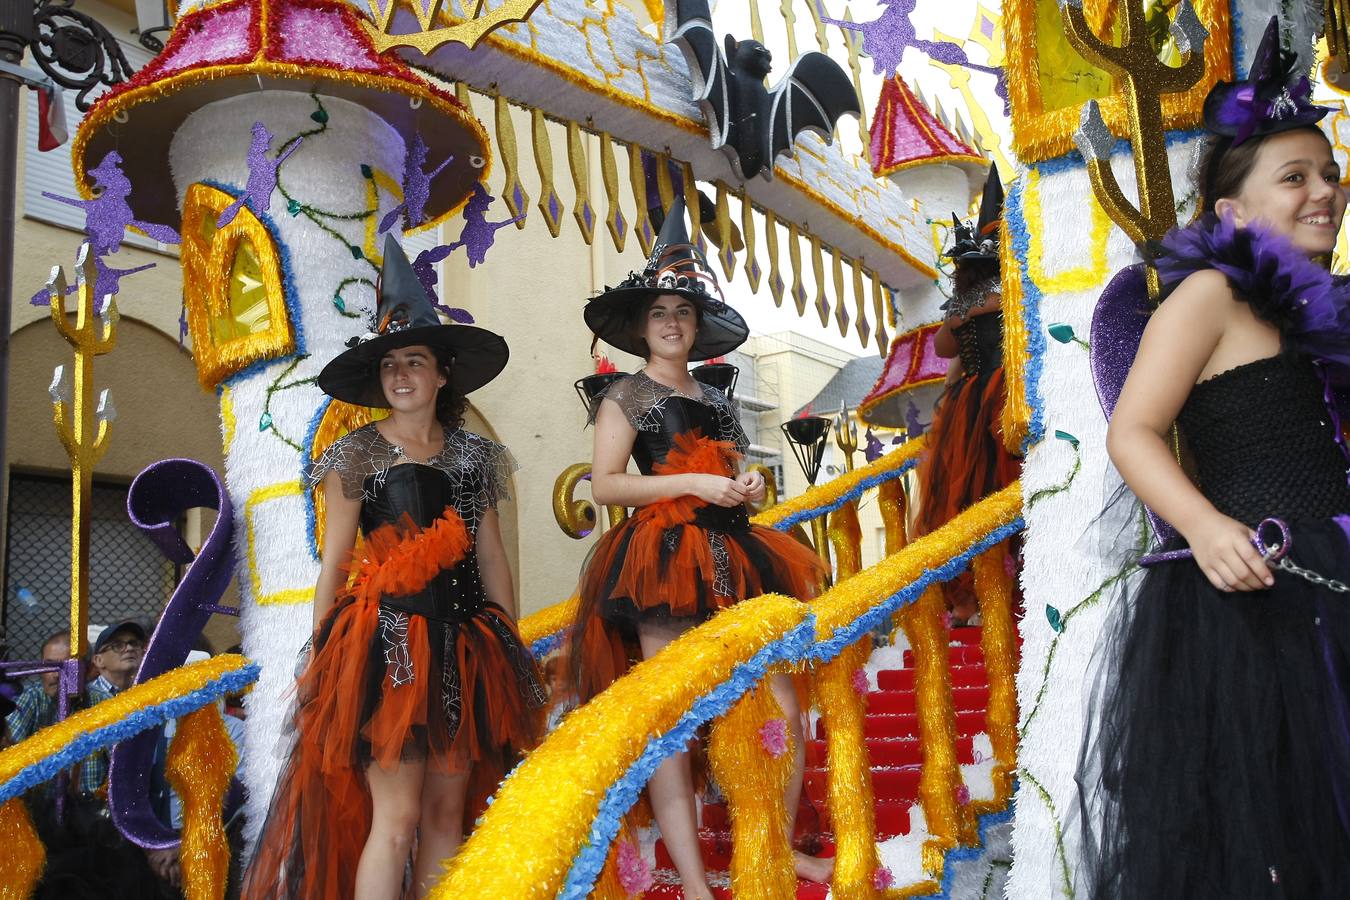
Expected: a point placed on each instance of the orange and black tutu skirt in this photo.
(677, 559)
(386, 686)
(966, 459)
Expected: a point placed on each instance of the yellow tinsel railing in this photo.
(200, 764)
(562, 787)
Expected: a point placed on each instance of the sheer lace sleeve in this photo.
(480, 470)
(635, 397)
(352, 457)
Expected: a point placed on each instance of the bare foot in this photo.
(702, 892)
(813, 868)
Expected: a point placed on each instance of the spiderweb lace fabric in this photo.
(643, 401)
(479, 469)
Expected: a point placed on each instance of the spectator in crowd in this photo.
(117, 653)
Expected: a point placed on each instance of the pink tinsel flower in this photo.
(1010, 564)
(963, 795)
(773, 737)
(635, 876)
(860, 681)
(947, 620)
(882, 878)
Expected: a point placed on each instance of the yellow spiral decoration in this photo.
(199, 766)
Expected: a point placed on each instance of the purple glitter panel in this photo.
(728, 257)
(986, 26)
(620, 223)
(864, 330)
(554, 206)
(776, 284)
(755, 271)
(647, 231)
(587, 215)
(841, 317)
(518, 198)
(1117, 327)
(157, 500)
(823, 308)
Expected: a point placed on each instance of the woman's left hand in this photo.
(753, 482)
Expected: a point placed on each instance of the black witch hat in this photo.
(980, 241)
(1274, 97)
(676, 267)
(404, 317)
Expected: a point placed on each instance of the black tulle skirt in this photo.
(1219, 766)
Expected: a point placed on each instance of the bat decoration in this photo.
(752, 123)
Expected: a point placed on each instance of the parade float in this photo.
(298, 134)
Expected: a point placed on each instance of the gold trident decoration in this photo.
(85, 436)
(476, 26)
(1146, 79)
(844, 530)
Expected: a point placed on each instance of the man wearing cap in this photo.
(117, 653)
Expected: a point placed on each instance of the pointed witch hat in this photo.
(980, 241)
(676, 267)
(405, 316)
(1274, 96)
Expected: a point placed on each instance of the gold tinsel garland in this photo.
(24, 857)
(1016, 411)
(998, 640)
(558, 789)
(548, 621)
(821, 496)
(754, 779)
(199, 766)
(849, 773)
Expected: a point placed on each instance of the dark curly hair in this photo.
(970, 272)
(450, 403)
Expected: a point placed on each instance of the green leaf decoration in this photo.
(320, 115)
(265, 422)
(1062, 332)
(1065, 436)
(1053, 616)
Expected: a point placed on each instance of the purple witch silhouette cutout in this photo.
(262, 175)
(416, 187)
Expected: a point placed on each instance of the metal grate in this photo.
(128, 577)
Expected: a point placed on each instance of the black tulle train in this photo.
(1222, 751)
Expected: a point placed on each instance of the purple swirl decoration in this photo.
(158, 498)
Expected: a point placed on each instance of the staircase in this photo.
(896, 755)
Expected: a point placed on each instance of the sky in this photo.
(957, 17)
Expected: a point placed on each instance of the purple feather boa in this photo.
(1309, 306)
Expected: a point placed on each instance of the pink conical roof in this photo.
(905, 133)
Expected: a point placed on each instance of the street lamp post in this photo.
(807, 436)
(74, 51)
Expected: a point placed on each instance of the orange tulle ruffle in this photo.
(399, 559)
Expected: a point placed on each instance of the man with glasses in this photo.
(117, 653)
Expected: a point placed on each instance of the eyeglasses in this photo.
(122, 646)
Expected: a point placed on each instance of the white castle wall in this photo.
(276, 568)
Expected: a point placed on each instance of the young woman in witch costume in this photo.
(1222, 761)
(418, 694)
(689, 549)
(966, 458)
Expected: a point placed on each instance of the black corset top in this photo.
(980, 341)
(424, 493)
(1264, 444)
(679, 414)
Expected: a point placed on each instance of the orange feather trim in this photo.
(399, 559)
(691, 453)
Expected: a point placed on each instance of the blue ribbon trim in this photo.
(141, 720)
(970, 854)
(624, 793)
(547, 644)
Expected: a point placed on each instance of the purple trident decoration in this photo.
(262, 175)
(416, 187)
(158, 498)
(889, 35)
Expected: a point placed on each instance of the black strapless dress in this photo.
(678, 558)
(1221, 755)
(412, 663)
